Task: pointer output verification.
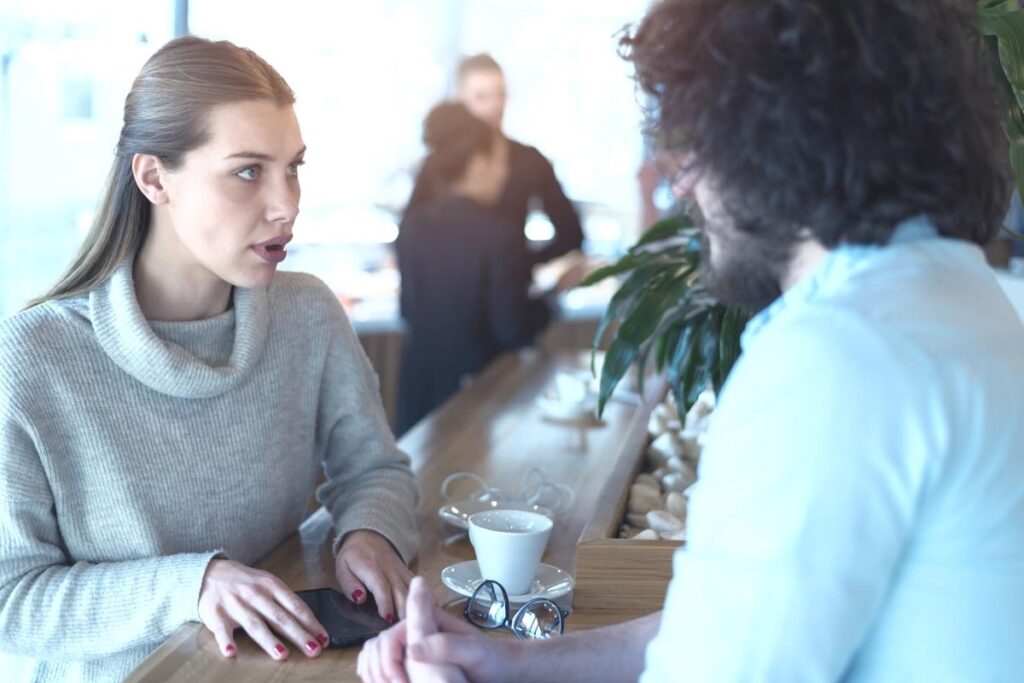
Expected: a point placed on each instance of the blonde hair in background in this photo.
(164, 115)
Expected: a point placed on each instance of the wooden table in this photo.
(493, 428)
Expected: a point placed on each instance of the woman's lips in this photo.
(273, 250)
(271, 253)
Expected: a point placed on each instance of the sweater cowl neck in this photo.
(130, 341)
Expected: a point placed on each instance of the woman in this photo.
(166, 409)
(464, 281)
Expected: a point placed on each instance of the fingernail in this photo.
(357, 596)
(322, 638)
(312, 646)
(390, 619)
(229, 648)
(279, 649)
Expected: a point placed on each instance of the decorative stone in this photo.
(674, 535)
(691, 448)
(655, 427)
(675, 505)
(664, 447)
(663, 522)
(675, 464)
(674, 481)
(646, 535)
(643, 499)
(649, 480)
(639, 521)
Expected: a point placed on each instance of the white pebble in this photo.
(664, 447)
(663, 522)
(674, 535)
(646, 535)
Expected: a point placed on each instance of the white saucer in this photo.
(550, 582)
(457, 512)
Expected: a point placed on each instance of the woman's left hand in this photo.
(367, 562)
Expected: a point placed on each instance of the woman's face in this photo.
(233, 201)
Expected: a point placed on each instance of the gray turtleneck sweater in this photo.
(131, 452)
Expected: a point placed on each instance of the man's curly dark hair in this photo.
(841, 116)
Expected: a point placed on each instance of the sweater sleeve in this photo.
(51, 607)
(369, 480)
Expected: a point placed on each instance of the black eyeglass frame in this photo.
(510, 621)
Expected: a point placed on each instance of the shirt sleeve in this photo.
(369, 484)
(558, 207)
(814, 469)
(53, 608)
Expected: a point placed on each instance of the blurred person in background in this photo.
(167, 407)
(531, 177)
(465, 278)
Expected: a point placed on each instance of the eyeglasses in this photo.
(537, 619)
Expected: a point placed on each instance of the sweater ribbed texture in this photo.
(132, 452)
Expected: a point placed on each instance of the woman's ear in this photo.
(148, 173)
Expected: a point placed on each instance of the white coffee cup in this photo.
(509, 545)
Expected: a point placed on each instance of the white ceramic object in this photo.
(647, 535)
(509, 545)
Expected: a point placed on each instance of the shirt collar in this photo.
(835, 267)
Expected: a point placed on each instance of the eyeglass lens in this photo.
(487, 608)
(538, 619)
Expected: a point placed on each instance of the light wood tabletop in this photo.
(494, 428)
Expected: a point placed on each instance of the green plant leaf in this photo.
(664, 229)
(617, 359)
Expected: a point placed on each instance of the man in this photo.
(860, 509)
(531, 177)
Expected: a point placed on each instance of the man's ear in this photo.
(148, 173)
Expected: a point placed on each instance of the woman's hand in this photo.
(235, 596)
(368, 562)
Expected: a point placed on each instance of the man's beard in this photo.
(749, 268)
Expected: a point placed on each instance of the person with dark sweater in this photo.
(465, 280)
(531, 177)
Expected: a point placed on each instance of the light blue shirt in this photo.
(860, 509)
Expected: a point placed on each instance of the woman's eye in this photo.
(293, 169)
(247, 174)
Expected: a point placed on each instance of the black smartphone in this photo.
(346, 623)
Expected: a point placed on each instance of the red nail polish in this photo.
(323, 638)
(279, 649)
(229, 648)
(390, 619)
(357, 596)
(312, 646)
